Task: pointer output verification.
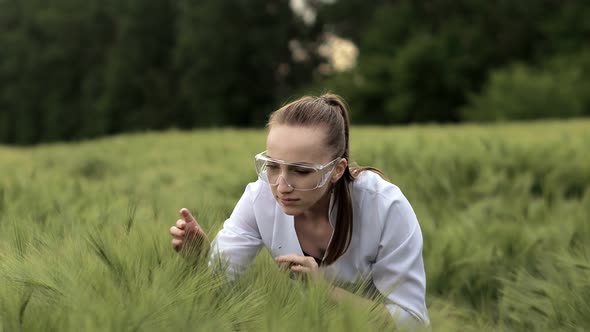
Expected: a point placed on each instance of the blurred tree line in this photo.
(79, 69)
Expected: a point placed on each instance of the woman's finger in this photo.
(180, 224)
(297, 259)
(176, 243)
(187, 216)
(176, 232)
(300, 268)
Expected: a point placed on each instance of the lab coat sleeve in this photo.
(239, 241)
(398, 271)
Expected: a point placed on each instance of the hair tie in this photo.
(328, 100)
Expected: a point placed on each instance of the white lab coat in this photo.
(386, 244)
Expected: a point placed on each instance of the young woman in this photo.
(314, 212)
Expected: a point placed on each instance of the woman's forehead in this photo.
(297, 144)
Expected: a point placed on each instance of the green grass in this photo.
(84, 241)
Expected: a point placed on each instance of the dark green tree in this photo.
(234, 62)
(420, 60)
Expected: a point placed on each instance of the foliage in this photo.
(421, 60)
(71, 70)
(84, 241)
(522, 93)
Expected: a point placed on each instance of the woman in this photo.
(314, 212)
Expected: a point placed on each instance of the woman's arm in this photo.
(398, 271)
(238, 242)
(387, 313)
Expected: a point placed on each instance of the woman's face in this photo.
(305, 145)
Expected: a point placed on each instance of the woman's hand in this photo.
(187, 234)
(303, 265)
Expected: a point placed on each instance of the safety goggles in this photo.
(299, 176)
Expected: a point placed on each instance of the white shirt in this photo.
(386, 244)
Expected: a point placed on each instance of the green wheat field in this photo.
(84, 243)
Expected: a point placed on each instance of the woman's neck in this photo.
(320, 211)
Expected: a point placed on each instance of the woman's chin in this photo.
(290, 210)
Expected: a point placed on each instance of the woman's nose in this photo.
(283, 185)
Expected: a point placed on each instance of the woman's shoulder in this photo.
(258, 191)
(377, 199)
(371, 183)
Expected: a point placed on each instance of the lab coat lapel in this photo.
(284, 238)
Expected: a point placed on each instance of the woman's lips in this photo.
(288, 201)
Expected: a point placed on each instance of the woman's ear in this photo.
(339, 170)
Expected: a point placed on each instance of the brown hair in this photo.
(331, 112)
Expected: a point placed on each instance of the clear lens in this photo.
(297, 176)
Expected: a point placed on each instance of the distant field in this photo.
(84, 244)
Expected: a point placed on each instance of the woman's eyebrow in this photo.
(294, 163)
(299, 166)
(302, 163)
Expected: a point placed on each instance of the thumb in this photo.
(187, 216)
